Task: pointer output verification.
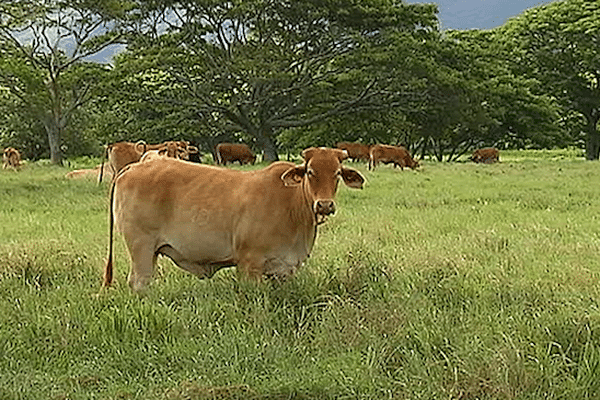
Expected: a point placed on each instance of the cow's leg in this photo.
(143, 260)
(252, 266)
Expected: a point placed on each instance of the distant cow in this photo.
(356, 151)
(179, 149)
(175, 148)
(11, 158)
(231, 152)
(488, 155)
(205, 218)
(398, 155)
(88, 173)
(121, 154)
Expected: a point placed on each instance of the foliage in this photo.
(256, 68)
(558, 43)
(44, 46)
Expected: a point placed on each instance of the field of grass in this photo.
(458, 281)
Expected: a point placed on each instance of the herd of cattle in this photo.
(121, 154)
(206, 217)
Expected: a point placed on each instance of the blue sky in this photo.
(479, 14)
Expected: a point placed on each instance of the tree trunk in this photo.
(56, 156)
(270, 150)
(267, 144)
(592, 146)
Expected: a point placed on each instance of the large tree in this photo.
(558, 44)
(263, 66)
(44, 47)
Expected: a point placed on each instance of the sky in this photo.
(479, 14)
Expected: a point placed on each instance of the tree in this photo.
(44, 46)
(260, 67)
(518, 113)
(558, 43)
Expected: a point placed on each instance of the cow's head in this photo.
(320, 175)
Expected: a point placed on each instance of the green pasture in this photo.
(457, 281)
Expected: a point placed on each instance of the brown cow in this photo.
(175, 148)
(231, 152)
(11, 158)
(88, 173)
(356, 151)
(121, 154)
(168, 149)
(488, 155)
(206, 218)
(391, 154)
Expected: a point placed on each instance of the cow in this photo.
(398, 155)
(121, 154)
(11, 158)
(175, 148)
(167, 149)
(231, 152)
(206, 217)
(356, 151)
(88, 173)
(488, 155)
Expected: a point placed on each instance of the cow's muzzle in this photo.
(324, 207)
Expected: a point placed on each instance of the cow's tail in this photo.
(108, 269)
(105, 157)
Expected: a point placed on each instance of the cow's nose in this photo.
(324, 207)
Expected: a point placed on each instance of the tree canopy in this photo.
(284, 75)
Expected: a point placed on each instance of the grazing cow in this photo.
(231, 152)
(488, 155)
(206, 217)
(356, 151)
(11, 158)
(391, 154)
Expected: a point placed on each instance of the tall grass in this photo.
(459, 281)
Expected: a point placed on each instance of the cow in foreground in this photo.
(488, 155)
(356, 151)
(11, 158)
(231, 152)
(398, 155)
(205, 218)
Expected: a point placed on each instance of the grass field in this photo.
(458, 281)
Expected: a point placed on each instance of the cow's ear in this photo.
(352, 178)
(294, 175)
(308, 153)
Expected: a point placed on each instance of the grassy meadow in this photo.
(457, 281)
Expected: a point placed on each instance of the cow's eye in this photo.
(310, 172)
